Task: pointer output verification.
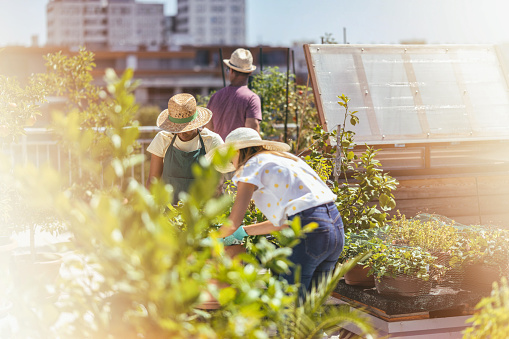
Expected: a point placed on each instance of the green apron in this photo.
(177, 167)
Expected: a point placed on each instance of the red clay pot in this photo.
(358, 276)
(403, 285)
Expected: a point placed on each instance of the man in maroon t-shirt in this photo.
(236, 105)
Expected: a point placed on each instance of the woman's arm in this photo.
(264, 227)
(156, 169)
(244, 193)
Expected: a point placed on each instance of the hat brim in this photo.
(203, 117)
(227, 63)
(237, 145)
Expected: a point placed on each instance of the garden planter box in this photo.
(405, 286)
(358, 276)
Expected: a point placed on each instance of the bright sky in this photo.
(280, 22)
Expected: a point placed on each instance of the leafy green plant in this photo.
(364, 191)
(271, 86)
(147, 115)
(483, 245)
(491, 319)
(388, 260)
(357, 243)
(19, 106)
(432, 235)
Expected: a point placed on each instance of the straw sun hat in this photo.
(244, 137)
(182, 114)
(241, 61)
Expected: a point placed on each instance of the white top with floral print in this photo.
(284, 186)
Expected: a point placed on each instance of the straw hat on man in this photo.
(236, 105)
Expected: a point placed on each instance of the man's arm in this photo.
(253, 123)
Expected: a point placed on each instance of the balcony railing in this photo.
(39, 148)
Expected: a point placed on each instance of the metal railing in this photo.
(39, 148)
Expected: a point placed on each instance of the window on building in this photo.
(217, 20)
(217, 9)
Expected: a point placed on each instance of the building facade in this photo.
(209, 22)
(105, 24)
(195, 70)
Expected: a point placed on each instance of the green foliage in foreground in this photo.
(133, 273)
(492, 317)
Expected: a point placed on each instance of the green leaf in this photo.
(226, 295)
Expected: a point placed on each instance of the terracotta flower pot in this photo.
(403, 285)
(358, 276)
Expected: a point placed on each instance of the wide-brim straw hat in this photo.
(241, 61)
(244, 137)
(182, 114)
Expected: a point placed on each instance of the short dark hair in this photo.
(239, 73)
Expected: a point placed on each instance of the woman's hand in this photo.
(244, 194)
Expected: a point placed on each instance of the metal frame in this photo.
(405, 51)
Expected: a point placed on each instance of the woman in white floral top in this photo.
(283, 187)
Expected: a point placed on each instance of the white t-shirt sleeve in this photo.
(250, 173)
(211, 139)
(159, 144)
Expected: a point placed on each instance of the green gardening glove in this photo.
(236, 237)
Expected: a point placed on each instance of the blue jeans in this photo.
(319, 251)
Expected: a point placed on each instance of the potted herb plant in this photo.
(357, 243)
(484, 255)
(402, 271)
(434, 234)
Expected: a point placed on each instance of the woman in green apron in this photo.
(181, 143)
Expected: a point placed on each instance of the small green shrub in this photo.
(432, 235)
(388, 260)
(364, 191)
(271, 86)
(147, 115)
(483, 245)
(357, 243)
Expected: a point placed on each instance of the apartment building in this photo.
(209, 22)
(105, 24)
